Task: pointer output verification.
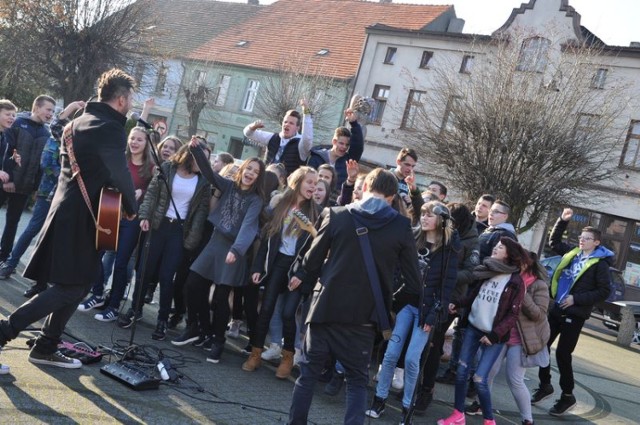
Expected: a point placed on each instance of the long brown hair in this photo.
(288, 200)
(146, 169)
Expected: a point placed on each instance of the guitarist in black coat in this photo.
(65, 253)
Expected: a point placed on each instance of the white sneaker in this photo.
(234, 329)
(398, 379)
(4, 369)
(297, 357)
(272, 353)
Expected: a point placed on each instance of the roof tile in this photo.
(293, 29)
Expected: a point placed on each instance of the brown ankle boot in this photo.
(286, 364)
(254, 361)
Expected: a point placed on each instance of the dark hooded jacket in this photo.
(343, 292)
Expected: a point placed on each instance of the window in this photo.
(235, 147)
(630, 152)
(250, 96)
(599, 78)
(467, 64)
(222, 90)
(161, 82)
(380, 95)
(585, 125)
(415, 103)
(449, 120)
(390, 57)
(200, 78)
(426, 58)
(533, 54)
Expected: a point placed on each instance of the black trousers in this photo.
(57, 303)
(351, 345)
(568, 329)
(15, 205)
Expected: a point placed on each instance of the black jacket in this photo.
(343, 292)
(65, 252)
(591, 287)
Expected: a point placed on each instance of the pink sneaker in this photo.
(489, 422)
(456, 418)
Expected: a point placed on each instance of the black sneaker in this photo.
(126, 320)
(6, 271)
(448, 377)
(208, 343)
(148, 298)
(403, 418)
(216, 352)
(423, 400)
(473, 409)
(199, 342)
(190, 334)
(174, 321)
(247, 349)
(543, 392)
(334, 386)
(377, 408)
(54, 359)
(34, 290)
(565, 403)
(161, 331)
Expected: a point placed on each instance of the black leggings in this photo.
(277, 282)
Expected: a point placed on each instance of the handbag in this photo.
(383, 319)
(539, 359)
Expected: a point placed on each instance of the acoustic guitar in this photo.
(108, 220)
(304, 223)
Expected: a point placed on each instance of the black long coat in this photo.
(65, 252)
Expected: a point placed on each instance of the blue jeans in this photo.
(407, 321)
(40, 211)
(488, 356)
(127, 242)
(106, 269)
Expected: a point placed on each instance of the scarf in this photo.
(491, 267)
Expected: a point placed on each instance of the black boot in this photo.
(161, 330)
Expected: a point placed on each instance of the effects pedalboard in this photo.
(135, 377)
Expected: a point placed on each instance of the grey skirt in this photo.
(211, 265)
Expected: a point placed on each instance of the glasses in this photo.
(496, 212)
(585, 238)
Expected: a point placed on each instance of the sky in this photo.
(614, 21)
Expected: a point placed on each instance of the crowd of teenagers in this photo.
(225, 243)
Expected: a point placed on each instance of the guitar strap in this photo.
(67, 136)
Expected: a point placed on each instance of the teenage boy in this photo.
(581, 280)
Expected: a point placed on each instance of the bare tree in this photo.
(295, 78)
(66, 44)
(530, 124)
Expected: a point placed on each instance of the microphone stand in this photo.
(130, 351)
(408, 418)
